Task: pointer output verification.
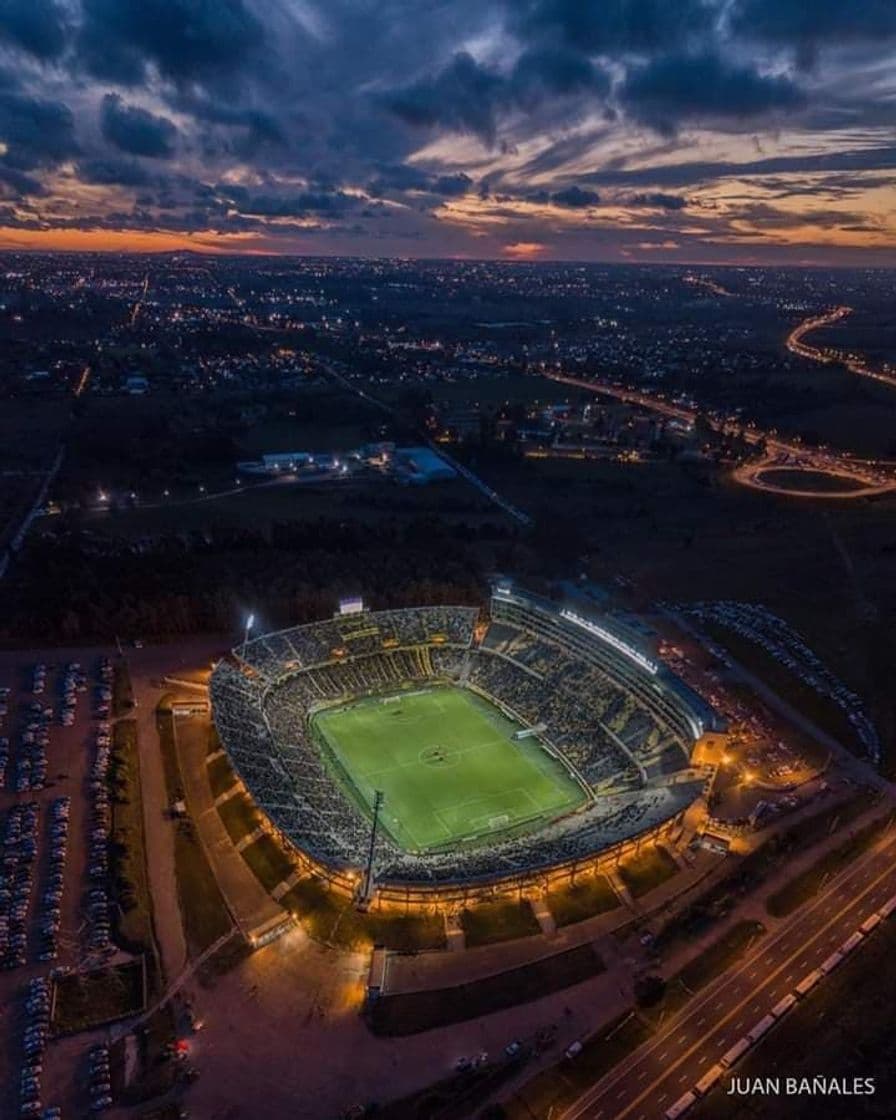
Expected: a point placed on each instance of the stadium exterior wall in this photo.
(424, 896)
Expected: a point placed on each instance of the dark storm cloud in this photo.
(617, 26)
(468, 97)
(113, 172)
(761, 213)
(657, 200)
(288, 204)
(461, 97)
(36, 26)
(693, 172)
(16, 184)
(836, 184)
(575, 198)
(261, 124)
(451, 186)
(136, 131)
(186, 40)
(800, 22)
(36, 133)
(555, 71)
(404, 177)
(674, 88)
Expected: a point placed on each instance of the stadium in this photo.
(429, 753)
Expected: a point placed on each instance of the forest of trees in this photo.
(63, 589)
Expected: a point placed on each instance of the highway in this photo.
(867, 478)
(855, 363)
(657, 1074)
(707, 282)
(138, 304)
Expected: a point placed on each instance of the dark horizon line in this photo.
(34, 251)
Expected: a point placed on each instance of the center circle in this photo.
(436, 756)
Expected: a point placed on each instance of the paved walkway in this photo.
(543, 916)
(249, 903)
(159, 829)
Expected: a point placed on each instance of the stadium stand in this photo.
(619, 727)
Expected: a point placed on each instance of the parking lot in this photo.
(54, 902)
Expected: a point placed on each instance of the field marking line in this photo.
(415, 761)
(480, 823)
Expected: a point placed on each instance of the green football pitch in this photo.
(447, 766)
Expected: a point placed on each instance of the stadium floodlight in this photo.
(611, 640)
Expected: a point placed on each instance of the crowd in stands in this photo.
(286, 775)
(355, 635)
(603, 730)
(571, 720)
(263, 698)
(661, 694)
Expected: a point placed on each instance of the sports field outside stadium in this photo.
(447, 765)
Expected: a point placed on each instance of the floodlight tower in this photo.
(367, 886)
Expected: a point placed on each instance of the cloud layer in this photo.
(712, 129)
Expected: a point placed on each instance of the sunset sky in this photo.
(639, 130)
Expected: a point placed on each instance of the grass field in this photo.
(127, 848)
(447, 766)
(498, 921)
(650, 867)
(583, 900)
(333, 919)
(88, 999)
(806, 884)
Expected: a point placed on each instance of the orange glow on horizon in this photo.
(131, 241)
(524, 248)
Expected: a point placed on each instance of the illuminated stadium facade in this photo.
(528, 748)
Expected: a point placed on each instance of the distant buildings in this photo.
(286, 460)
(414, 466)
(136, 385)
(420, 465)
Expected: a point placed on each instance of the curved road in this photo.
(873, 476)
(828, 355)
